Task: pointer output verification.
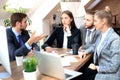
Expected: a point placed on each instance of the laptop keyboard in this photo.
(67, 75)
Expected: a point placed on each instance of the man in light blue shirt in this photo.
(19, 24)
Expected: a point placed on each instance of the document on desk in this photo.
(66, 60)
(71, 59)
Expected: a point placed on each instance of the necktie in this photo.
(88, 36)
(20, 40)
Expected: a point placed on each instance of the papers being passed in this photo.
(66, 60)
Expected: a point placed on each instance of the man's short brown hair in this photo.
(17, 17)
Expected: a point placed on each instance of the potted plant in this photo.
(7, 22)
(30, 68)
(13, 10)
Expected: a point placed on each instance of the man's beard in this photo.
(90, 27)
(22, 30)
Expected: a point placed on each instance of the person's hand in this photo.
(35, 38)
(92, 66)
(83, 55)
(49, 49)
(80, 48)
(66, 28)
(30, 54)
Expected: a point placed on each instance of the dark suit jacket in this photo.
(95, 35)
(58, 34)
(13, 45)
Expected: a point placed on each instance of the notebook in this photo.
(50, 64)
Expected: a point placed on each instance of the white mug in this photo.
(19, 60)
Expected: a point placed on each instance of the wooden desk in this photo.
(18, 75)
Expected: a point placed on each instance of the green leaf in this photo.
(30, 64)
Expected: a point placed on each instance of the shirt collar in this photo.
(15, 32)
(92, 29)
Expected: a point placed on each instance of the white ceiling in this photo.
(4, 14)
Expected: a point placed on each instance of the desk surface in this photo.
(18, 75)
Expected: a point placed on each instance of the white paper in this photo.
(70, 59)
(65, 62)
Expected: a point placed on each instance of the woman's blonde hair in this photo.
(106, 13)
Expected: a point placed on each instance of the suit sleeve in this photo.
(13, 51)
(91, 48)
(13, 47)
(77, 40)
(50, 40)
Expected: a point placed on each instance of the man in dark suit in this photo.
(20, 46)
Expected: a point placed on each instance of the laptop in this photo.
(50, 64)
(4, 55)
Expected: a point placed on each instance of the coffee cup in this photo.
(19, 60)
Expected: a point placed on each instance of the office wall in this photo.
(1, 22)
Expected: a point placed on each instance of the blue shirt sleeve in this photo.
(28, 46)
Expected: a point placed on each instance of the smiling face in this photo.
(88, 21)
(66, 20)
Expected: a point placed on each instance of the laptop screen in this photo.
(50, 64)
(4, 55)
